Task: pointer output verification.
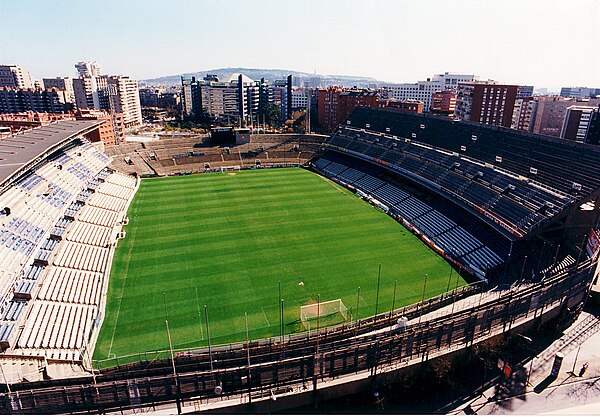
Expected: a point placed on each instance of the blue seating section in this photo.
(30, 181)
(518, 205)
(444, 232)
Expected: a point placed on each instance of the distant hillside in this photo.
(268, 74)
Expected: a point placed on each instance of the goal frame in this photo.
(310, 313)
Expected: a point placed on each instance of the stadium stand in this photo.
(439, 229)
(557, 164)
(518, 205)
(66, 208)
(188, 155)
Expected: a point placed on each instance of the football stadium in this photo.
(289, 267)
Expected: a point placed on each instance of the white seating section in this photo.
(71, 286)
(67, 303)
(37, 201)
(55, 249)
(445, 233)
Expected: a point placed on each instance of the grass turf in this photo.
(225, 241)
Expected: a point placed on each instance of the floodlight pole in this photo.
(208, 334)
(556, 256)
(280, 314)
(165, 305)
(377, 297)
(449, 279)
(5, 380)
(522, 269)
(393, 300)
(541, 255)
(199, 315)
(357, 304)
(248, 358)
(318, 320)
(282, 320)
(456, 289)
(174, 370)
(423, 298)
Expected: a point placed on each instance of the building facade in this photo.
(191, 97)
(524, 91)
(28, 120)
(111, 132)
(61, 83)
(335, 104)
(88, 69)
(300, 98)
(443, 103)
(551, 111)
(486, 103)
(524, 113)
(581, 124)
(405, 106)
(85, 90)
(24, 100)
(424, 90)
(115, 94)
(15, 76)
(124, 98)
(579, 92)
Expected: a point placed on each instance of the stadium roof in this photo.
(18, 150)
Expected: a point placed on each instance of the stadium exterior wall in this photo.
(340, 363)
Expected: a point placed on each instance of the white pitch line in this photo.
(112, 339)
(263, 310)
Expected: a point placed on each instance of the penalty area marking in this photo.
(264, 314)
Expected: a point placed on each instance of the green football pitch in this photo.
(235, 241)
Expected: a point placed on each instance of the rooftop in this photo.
(18, 150)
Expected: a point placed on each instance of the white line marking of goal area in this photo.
(264, 314)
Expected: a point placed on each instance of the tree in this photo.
(272, 114)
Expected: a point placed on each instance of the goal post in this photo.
(328, 312)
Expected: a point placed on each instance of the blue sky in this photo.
(546, 43)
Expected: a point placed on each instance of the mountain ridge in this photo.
(266, 73)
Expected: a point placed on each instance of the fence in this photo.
(301, 361)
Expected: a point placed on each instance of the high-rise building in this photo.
(524, 113)
(61, 83)
(233, 101)
(191, 103)
(424, 90)
(124, 98)
(487, 103)
(582, 124)
(85, 90)
(88, 69)
(551, 111)
(115, 93)
(15, 76)
(579, 92)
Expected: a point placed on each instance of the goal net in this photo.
(326, 313)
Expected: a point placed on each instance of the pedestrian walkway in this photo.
(576, 390)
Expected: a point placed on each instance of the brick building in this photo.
(335, 104)
(443, 103)
(487, 103)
